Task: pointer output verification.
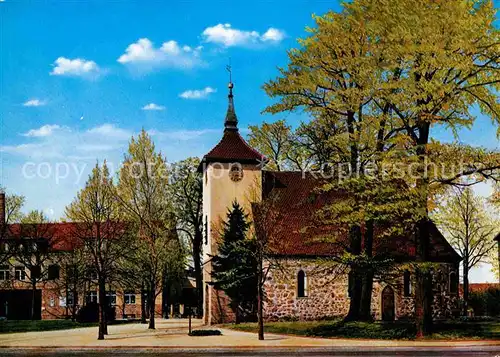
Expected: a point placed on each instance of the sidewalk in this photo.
(172, 334)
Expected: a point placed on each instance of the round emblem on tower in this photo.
(236, 172)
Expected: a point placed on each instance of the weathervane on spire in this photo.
(231, 122)
(230, 85)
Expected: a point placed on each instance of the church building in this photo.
(307, 285)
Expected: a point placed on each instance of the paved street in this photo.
(170, 337)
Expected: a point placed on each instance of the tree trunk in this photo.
(151, 301)
(198, 272)
(102, 307)
(237, 318)
(143, 305)
(466, 286)
(498, 257)
(368, 274)
(355, 276)
(423, 293)
(260, 300)
(33, 298)
(73, 308)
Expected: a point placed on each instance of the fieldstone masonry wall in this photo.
(327, 293)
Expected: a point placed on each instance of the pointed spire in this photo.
(231, 122)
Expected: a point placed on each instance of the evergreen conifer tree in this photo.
(235, 266)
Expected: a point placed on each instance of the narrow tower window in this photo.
(206, 230)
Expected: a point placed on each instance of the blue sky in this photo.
(77, 79)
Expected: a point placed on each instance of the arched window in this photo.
(453, 283)
(301, 284)
(407, 283)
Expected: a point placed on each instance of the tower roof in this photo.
(232, 147)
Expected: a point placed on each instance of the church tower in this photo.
(232, 170)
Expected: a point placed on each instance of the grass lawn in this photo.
(377, 330)
(10, 326)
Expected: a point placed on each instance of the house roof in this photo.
(479, 287)
(296, 230)
(62, 236)
(232, 147)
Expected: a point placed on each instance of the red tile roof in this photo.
(233, 148)
(479, 287)
(63, 236)
(294, 226)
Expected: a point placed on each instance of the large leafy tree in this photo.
(449, 61)
(13, 214)
(101, 230)
(235, 266)
(470, 228)
(144, 195)
(332, 77)
(422, 64)
(32, 249)
(279, 144)
(187, 201)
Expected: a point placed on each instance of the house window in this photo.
(453, 283)
(70, 298)
(4, 272)
(62, 301)
(407, 283)
(129, 297)
(301, 284)
(20, 273)
(92, 296)
(36, 272)
(52, 302)
(53, 272)
(4, 247)
(111, 297)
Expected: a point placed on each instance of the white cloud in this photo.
(110, 130)
(197, 93)
(225, 35)
(45, 130)
(34, 103)
(170, 54)
(78, 67)
(273, 35)
(153, 106)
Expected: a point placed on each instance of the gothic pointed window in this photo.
(301, 284)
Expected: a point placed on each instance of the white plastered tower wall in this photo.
(219, 193)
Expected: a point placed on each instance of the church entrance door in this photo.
(388, 313)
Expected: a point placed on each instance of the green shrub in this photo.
(205, 333)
